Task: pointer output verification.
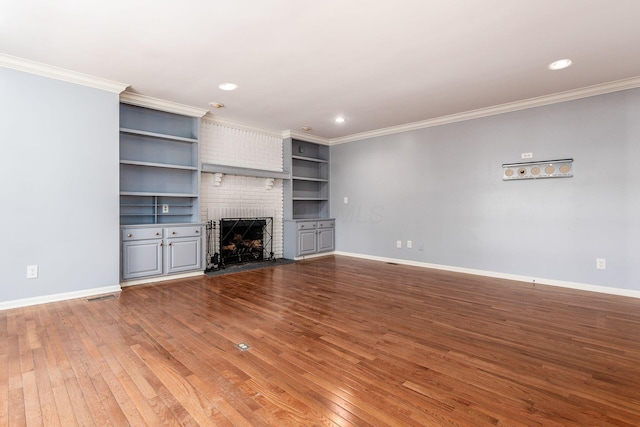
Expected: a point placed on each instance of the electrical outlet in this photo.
(526, 155)
(601, 263)
(346, 200)
(32, 271)
(165, 208)
(409, 244)
(399, 244)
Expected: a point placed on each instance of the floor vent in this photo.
(101, 298)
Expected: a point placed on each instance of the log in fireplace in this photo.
(246, 240)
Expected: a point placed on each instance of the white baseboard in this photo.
(6, 305)
(160, 279)
(528, 279)
(303, 257)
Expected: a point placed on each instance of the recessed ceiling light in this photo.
(228, 86)
(306, 128)
(216, 105)
(560, 64)
(340, 119)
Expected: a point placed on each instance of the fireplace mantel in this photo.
(234, 170)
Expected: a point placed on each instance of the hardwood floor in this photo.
(333, 341)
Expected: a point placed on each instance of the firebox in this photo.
(245, 240)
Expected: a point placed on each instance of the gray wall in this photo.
(58, 186)
(442, 188)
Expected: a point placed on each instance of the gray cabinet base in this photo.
(157, 251)
(308, 237)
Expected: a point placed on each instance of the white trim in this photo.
(160, 279)
(527, 279)
(209, 119)
(161, 104)
(306, 137)
(58, 73)
(556, 98)
(321, 254)
(6, 305)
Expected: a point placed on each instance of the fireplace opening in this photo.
(245, 240)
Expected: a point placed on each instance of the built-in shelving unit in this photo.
(308, 228)
(159, 189)
(309, 192)
(159, 168)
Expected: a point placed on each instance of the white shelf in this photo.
(304, 178)
(157, 165)
(144, 193)
(158, 135)
(310, 159)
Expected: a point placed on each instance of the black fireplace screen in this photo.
(245, 240)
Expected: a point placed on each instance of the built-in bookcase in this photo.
(159, 168)
(309, 193)
(308, 229)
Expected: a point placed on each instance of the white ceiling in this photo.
(302, 62)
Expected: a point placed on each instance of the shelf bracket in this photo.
(269, 183)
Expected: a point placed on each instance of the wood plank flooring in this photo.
(334, 341)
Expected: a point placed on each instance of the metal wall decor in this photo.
(562, 168)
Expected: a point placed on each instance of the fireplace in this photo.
(245, 240)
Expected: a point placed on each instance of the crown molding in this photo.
(306, 137)
(239, 125)
(50, 71)
(556, 98)
(161, 104)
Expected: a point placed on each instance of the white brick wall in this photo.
(224, 145)
(241, 196)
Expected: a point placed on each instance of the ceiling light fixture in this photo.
(340, 119)
(560, 64)
(228, 86)
(306, 128)
(216, 105)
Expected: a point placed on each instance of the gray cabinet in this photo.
(184, 249)
(141, 258)
(311, 237)
(156, 251)
(326, 235)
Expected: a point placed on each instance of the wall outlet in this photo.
(409, 244)
(165, 208)
(526, 155)
(399, 244)
(601, 263)
(346, 200)
(32, 271)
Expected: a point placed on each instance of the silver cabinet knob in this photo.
(129, 235)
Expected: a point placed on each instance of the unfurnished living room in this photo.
(330, 213)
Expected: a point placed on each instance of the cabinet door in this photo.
(184, 254)
(141, 258)
(306, 242)
(325, 239)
